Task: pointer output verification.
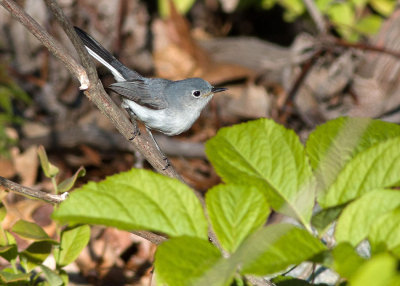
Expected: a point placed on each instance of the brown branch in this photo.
(25, 191)
(365, 47)
(152, 237)
(97, 94)
(90, 82)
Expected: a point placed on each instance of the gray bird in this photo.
(170, 107)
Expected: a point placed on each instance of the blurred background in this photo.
(273, 55)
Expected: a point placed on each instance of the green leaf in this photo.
(369, 25)
(183, 6)
(7, 277)
(6, 238)
(292, 9)
(35, 254)
(29, 230)
(8, 246)
(49, 169)
(235, 211)
(276, 247)
(322, 219)
(266, 251)
(346, 261)
(385, 233)
(182, 260)
(264, 154)
(379, 271)
(5, 100)
(376, 167)
(359, 4)
(342, 15)
(384, 7)
(137, 199)
(73, 241)
(3, 211)
(68, 183)
(358, 217)
(64, 276)
(332, 145)
(51, 276)
(323, 5)
(9, 252)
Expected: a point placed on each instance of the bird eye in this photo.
(196, 93)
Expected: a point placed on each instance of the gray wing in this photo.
(139, 91)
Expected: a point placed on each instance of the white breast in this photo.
(167, 121)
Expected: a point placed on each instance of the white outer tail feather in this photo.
(118, 77)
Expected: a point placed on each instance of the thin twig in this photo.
(316, 16)
(25, 191)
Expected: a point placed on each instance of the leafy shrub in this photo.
(349, 166)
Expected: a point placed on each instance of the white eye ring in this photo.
(196, 93)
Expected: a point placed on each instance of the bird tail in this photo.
(120, 72)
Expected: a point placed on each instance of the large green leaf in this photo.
(235, 211)
(346, 261)
(385, 233)
(358, 217)
(333, 144)
(137, 199)
(182, 260)
(266, 251)
(376, 167)
(264, 154)
(73, 241)
(276, 247)
(379, 271)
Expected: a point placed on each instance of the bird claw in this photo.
(136, 132)
(167, 163)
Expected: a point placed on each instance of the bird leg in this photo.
(167, 163)
(136, 130)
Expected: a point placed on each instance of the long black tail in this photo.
(120, 72)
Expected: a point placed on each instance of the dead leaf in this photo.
(26, 165)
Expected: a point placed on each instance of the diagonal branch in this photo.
(25, 191)
(89, 81)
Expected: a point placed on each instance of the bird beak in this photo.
(217, 89)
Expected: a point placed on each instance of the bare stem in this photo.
(25, 191)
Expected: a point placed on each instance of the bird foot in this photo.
(167, 163)
(136, 132)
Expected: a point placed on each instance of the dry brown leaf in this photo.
(26, 164)
(7, 169)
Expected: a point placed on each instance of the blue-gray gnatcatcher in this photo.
(170, 107)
